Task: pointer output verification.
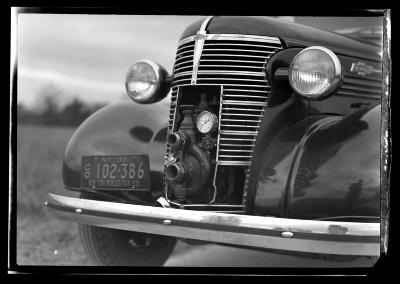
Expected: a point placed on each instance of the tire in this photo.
(111, 247)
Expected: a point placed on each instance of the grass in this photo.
(42, 240)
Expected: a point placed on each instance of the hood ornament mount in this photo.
(198, 48)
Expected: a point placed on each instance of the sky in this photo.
(87, 56)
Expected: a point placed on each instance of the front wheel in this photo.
(113, 247)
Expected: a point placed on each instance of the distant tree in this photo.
(49, 112)
(22, 113)
(48, 103)
(72, 114)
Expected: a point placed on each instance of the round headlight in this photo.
(315, 72)
(147, 82)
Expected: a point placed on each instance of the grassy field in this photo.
(42, 240)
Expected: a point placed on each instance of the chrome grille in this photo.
(172, 113)
(240, 117)
(360, 87)
(236, 63)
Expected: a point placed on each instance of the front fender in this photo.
(324, 167)
(124, 128)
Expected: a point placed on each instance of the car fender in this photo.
(123, 128)
(323, 167)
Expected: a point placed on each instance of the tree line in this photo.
(72, 114)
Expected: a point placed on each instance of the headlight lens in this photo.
(315, 72)
(146, 82)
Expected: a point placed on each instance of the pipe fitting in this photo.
(178, 139)
(176, 172)
(174, 140)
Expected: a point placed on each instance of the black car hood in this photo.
(293, 35)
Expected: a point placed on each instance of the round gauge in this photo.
(207, 122)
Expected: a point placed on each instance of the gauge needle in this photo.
(204, 122)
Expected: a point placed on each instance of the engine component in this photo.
(178, 140)
(188, 173)
(208, 143)
(176, 172)
(207, 122)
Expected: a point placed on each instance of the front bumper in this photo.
(323, 237)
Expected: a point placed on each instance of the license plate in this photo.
(127, 172)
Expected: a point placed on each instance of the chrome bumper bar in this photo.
(324, 237)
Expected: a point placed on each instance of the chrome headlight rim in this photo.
(337, 79)
(160, 88)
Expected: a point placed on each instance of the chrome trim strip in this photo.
(241, 114)
(245, 96)
(240, 44)
(211, 84)
(234, 55)
(357, 89)
(242, 120)
(245, 90)
(196, 59)
(205, 23)
(198, 48)
(235, 150)
(235, 156)
(234, 163)
(238, 145)
(325, 237)
(233, 66)
(372, 84)
(212, 72)
(234, 102)
(233, 79)
(221, 96)
(240, 126)
(179, 54)
(354, 95)
(235, 49)
(180, 63)
(227, 132)
(180, 74)
(259, 61)
(241, 73)
(183, 57)
(244, 109)
(182, 49)
(362, 79)
(238, 139)
(273, 40)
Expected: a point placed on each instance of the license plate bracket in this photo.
(115, 172)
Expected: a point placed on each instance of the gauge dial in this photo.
(207, 122)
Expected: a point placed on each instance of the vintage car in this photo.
(266, 135)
